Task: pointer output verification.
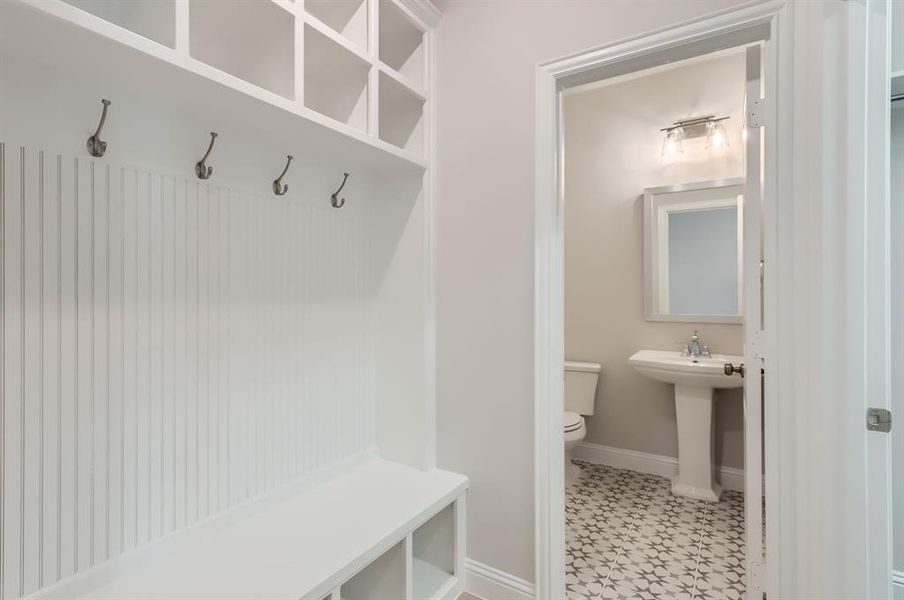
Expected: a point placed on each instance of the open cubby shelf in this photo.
(401, 43)
(383, 579)
(335, 80)
(152, 19)
(346, 17)
(228, 36)
(434, 554)
(401, 115)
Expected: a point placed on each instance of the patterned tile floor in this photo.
(628, 537)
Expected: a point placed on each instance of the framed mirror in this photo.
(693, 252)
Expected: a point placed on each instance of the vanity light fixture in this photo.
(716, 138)
(710, 126)
(672, 143)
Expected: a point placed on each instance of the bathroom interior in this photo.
(654, 166)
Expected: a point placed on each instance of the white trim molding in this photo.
(731, 28)
(652, 464)
(489, 583)
(424, 10)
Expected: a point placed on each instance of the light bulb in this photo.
(717, 137)
(672, 143)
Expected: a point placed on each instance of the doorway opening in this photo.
(659, 145)
(655, 166)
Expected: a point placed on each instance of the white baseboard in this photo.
(651, 464)
(488, 583)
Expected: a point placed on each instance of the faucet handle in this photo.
(695, 337)
(685, 350)
(706, 352)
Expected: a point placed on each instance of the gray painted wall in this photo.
(612, 153)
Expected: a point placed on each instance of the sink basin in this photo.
(671, 367)
(694, 380)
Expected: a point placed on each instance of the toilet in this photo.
(580, 394)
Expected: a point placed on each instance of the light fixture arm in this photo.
(694, 122)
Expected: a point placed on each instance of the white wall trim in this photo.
(429, 192)
(426, 12)
(738, 26)
(651, 464)
(489, 583)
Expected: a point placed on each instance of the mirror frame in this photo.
(655, 202)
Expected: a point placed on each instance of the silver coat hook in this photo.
(96, 146)
(278, 188)
(334, 198)
(201, 168)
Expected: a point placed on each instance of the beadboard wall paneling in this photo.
(170, 348)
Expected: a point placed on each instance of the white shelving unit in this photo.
(219, 59)
(344, 86)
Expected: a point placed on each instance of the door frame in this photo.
(826, 268)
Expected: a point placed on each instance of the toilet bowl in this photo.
(580, 397)
(575, 430)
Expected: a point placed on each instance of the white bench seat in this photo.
(302, 542)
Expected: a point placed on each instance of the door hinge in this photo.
(757, 344)
(756, 114)
(878, 419)
(754, 579)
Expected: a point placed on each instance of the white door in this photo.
(896, 223)
(753, 326)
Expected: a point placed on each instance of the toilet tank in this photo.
(580, 386)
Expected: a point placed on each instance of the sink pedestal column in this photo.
(694, 409)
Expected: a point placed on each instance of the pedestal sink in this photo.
(694, 379)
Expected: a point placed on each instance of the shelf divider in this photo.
(338, 38)
(401, 42)
(348, 18)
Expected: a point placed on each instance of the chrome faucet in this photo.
(695, 349)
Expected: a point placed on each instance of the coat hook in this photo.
(334, 199)
(278, 188)
(96, 146)
(201, 168)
